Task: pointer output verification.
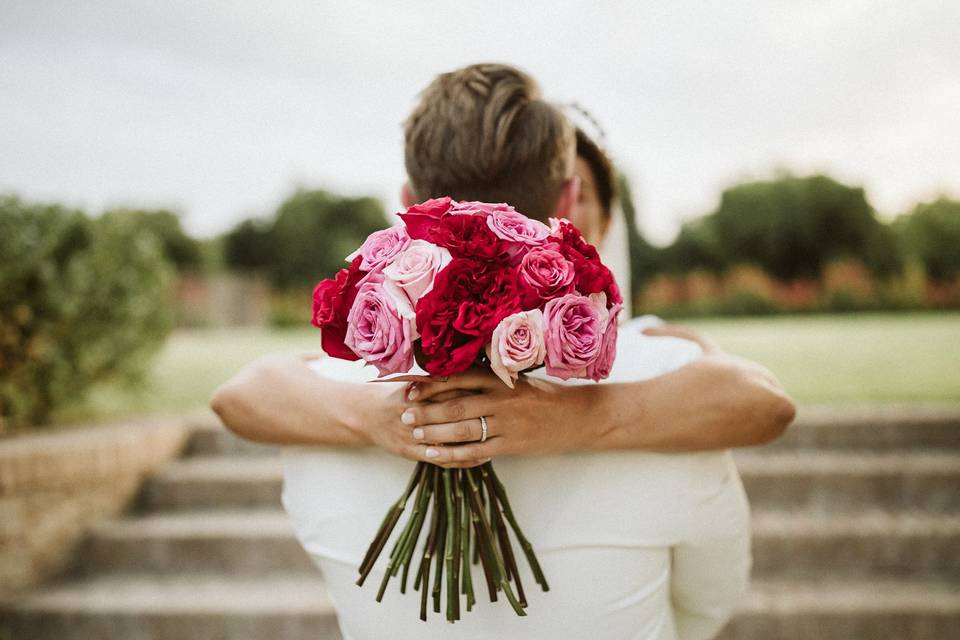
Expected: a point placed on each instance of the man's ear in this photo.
(568, 198)
(406, 196)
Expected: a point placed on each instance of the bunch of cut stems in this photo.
(469, 515)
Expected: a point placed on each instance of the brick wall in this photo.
(55, 485)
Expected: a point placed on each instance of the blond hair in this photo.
(483, 132)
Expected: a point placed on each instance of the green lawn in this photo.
(861, 358)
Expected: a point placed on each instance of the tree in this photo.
(308, 238)
(931, 234)
(183, 251)
(792, 227)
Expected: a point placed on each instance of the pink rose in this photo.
(517, 345)
(416, 267)
(381, 247)
(478, 208)
(547, 272)
(507, 224)
(381, 326)
(601, 367)
(573, 332)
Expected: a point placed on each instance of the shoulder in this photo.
(641, 356)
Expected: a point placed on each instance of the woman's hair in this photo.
(483, 132)
(603, 171)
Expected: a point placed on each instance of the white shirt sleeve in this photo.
(711, 565)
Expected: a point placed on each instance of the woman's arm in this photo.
(278, 399)
(717, 401)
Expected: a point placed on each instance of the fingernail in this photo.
(407, 417)
(485, 460)
(432, 453)
(413, 393)
(418, 434)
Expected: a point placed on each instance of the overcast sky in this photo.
(219, 109)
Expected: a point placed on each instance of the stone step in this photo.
(211, 438)
(818, 481)
(878, 428)
(225, 482)
(829, 610)
(185, 607)
(838, 481)
(247, 542)
(853, 546)
(785, 545)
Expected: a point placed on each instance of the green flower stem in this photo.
(449, 543)
(481, 549)
(457, 544)
(386, 528)
(410, 542)
(501, 495)
(504, 539)
(466, 541)
(500, 572)
(423, 572)
(439, 553)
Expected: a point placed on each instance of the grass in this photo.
(842, 359)
(855, 358)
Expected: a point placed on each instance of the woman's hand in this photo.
(534, 417)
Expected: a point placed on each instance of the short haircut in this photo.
(484, 132)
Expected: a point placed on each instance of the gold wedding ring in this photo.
(483, 429)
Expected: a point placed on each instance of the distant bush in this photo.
(184, 252)
(81, 300)
(306, 241)
(931, 234)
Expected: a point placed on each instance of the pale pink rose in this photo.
(380, 247)
(601, 367)
(381, 326)
(516, 345)
(478, 208)
(508, 224)
(573, 333)
(547, 272)
(415, 268)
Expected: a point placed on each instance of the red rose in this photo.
(592, 275)
(469, 236)
(421, 218)
(457, 317)
(332, 299)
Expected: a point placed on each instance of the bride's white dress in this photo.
(634, 544)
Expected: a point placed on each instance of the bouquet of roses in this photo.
(459, 284)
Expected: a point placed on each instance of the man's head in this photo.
(484, 133)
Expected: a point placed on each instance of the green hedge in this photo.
(81, 300)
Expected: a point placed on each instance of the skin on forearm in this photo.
(716, 402)
(280, 400)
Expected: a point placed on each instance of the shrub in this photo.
(80, 301)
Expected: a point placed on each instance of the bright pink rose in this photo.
(381, 247)
(601, 367)
(380, 327)
(547, 273)
(516, 345)
(573, 332)
(416, 267)
(421, 218)
(507, 224)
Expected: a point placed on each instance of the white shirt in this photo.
(633, 544)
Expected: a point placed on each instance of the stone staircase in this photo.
(856, 535)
